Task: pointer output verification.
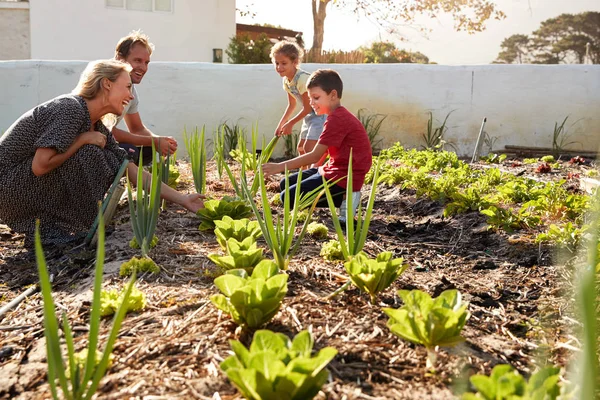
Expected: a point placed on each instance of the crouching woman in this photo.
(59, 159)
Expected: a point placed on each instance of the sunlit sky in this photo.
(345, 31)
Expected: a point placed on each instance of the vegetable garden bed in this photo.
(519, 293)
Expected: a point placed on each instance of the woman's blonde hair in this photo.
(90, 82)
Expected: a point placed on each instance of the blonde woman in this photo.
(59, 159)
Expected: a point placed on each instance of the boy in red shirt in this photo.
(342, 132)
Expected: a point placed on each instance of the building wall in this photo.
(521, 103)
(14, 31)
(88, 30)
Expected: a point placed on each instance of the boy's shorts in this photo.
(312, 126)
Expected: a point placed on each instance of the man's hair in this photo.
(326, 79)
(126, 44)
(289, 49)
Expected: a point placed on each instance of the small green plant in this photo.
(429, 322)
(493, 158)
(78, 380)
(238, 229)
(276, 368)
(468, 200)
(279, 234)
(566, 236)
(291, 144)
(138, 265)
(219, 149)
(505, 383)
(231, 135)
(133, 243)
(240, 255)
(489, 141)
(215, 210)
(276, 200)
(332, 251)
(144, 211)
(352, 243)
(317, 230)
(196, 149)
(530, 160)
(251, 301)
(547, 159)
(434, 137)
(559, 137)
(374, 276)
(111, 300)
(372, 124)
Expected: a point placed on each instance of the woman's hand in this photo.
(193, 202)
(165, 145)
(286, 129)
(93, 137)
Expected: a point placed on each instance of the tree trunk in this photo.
(319, 13)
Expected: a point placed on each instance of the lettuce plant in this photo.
(251, 301)
(274, 367)
(238, 229)
(138, 265)
(374, 276)
(429, 322)
(505, 383)
(240, 255)
(111, 300)
(217, 209)
(332, 251)
(566, 236)
(317, 230)
(144, 211)
(196, 149)
(79, 380)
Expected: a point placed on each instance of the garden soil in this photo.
(519, 294)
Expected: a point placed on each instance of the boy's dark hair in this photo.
(326, 79)
(126, 44)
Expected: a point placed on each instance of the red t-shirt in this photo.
(343, 131)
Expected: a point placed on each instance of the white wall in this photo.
(88, 30)
(522, 103)
(14, 30)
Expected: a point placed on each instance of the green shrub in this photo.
(243, 50)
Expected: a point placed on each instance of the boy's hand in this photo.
(271, 169)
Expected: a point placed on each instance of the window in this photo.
(142, 5)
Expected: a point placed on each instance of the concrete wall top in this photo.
(87, 29)
(521, 103)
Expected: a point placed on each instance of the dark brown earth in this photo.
(519, 295)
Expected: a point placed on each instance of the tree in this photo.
(386, 52)
(469, 15)
(243, 50)
(513, 49)
(568, 38)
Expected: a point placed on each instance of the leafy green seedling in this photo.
(240, 255)
(215, 210)
(138, 265)
(251, 301)
(238, 229)
(429, 322)
(111, 300)
(505, 383)
(317, 230)
(332, 251)
(274, 367)
(374, 276)
(196, 149)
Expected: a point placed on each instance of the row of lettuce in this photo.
(253, 287)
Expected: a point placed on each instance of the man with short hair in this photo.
(135, 49)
